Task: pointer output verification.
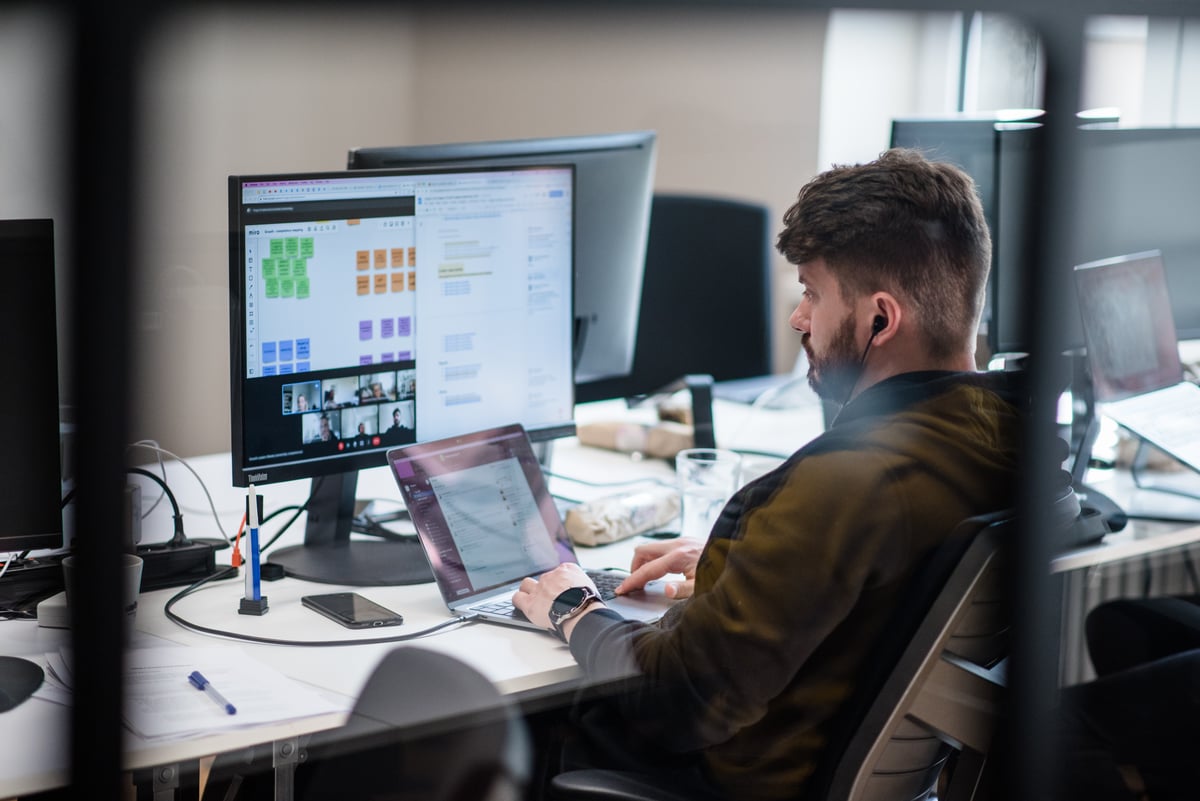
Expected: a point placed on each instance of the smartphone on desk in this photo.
(352, 610)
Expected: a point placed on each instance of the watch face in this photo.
(567, 600)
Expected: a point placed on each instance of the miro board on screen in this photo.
(349, 385)
(374, 310)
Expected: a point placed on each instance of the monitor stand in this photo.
(329, 556)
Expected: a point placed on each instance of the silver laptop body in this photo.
(486, 520)
(1133, 353)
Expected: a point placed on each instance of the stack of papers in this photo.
(160, 702)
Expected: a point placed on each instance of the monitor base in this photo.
(359, 563)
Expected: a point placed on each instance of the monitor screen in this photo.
(996, 153)
(614, 184)
(1137, 190)
(31, 503)
(375, 309)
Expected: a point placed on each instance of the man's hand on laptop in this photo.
(656, 559)
(535, 596)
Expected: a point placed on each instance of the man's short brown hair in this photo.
(904, 225)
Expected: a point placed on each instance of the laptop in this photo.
(1133, 353)
(486, 520)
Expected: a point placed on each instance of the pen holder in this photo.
(253, 602)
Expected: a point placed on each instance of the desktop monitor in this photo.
(1138, 189)
(996, 150)
(31, 503)
(378, 308)
(614, 185)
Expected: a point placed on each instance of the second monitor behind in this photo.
(706, 296)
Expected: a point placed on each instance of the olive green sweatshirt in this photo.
(799, 576)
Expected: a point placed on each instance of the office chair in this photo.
(426, 727)
(928, 697)
(706, 296)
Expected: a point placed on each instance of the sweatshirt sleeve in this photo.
(767, 597)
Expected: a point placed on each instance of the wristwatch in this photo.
(569, 603)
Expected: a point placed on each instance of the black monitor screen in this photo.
(614, 183)
(997, 155)
(30, 472)
(378, 308)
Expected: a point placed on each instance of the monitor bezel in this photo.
(243, 474)
(594, 289)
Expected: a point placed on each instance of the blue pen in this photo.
(200, 683)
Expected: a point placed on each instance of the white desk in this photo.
(1145, 558)
(525, 664)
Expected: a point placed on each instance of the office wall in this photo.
(734, 95)
(33, 75)
(231, 91)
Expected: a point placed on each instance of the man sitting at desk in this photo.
(804, 564)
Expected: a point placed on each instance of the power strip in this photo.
(165, 565)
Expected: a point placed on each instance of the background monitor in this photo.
(31, 503)
(614, 179)
(374, 309)
(1139, 190)
(997, 154)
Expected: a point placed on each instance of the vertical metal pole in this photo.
(1030, 740)
(104, 47)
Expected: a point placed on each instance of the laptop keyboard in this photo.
(606, 582)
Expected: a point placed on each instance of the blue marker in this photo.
(200, 683)
(254, 573)
(253, 602)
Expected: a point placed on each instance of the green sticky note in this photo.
(285, 268)
(302, 289)
(291, 247)
(272, 285)
(287, 287)
(299, 268)
(306, 247)
(269, 269)
(276, 248)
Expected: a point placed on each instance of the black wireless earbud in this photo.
(877, 325)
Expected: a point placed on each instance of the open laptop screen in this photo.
(483, 510)
(1126, 313)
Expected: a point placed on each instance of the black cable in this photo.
(231, 571)
(178, 537)
(299, 511)
(17, 614)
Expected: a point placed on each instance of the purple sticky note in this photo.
(403, 326)
(387, 357)
(404, 355)
(366, 329)
(387, 328)
(366, 359)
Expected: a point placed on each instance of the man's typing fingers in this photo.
(647, 571)
(679, 589)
